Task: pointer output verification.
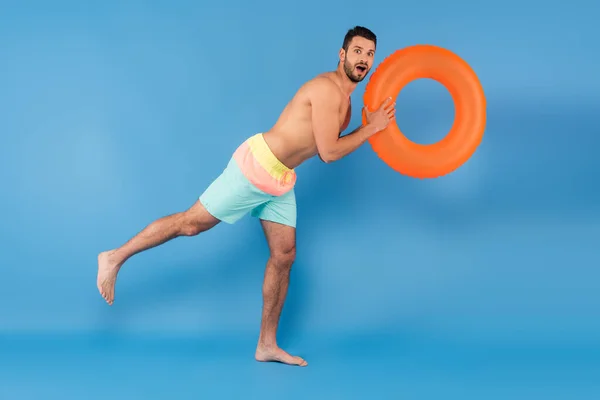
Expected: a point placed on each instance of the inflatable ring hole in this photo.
(425, 111)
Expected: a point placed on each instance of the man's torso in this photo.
(291, 139)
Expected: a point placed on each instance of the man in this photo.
(260, 177)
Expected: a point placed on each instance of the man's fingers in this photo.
(386, 102)
(391, 113)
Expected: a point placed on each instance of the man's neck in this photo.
(346, 85)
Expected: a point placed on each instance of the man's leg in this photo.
(278, 220)
(282, 246)
(187, 223)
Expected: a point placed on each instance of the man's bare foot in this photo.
(107, 276)
(275, 354)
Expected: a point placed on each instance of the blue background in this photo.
(481, 284)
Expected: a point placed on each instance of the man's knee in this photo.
(191, 228)
(284, 257)
(197, 220)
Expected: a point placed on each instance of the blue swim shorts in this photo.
(253, 182)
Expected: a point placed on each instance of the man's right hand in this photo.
(380, 118)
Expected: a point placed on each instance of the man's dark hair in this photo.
(358, 31)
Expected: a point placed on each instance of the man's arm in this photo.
(326, 102)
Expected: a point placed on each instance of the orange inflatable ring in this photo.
(441, 158)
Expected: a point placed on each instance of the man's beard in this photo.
(349, 69)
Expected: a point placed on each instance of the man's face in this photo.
(358, 60)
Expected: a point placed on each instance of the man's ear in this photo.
(342, 55)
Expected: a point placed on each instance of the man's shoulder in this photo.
(323, 85)
(324, 81)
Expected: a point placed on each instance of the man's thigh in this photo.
(231, 196)
(281, 239)
(280, 210)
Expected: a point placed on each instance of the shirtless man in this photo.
(260, 176)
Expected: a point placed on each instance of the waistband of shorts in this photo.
(262, 167)
(263, 154)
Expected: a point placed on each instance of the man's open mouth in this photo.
(361, 68)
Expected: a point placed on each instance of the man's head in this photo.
(357, 53)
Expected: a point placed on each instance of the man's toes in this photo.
(295, 360)
(106, 295)
(301, 362)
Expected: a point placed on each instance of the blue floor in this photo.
(383, 367)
